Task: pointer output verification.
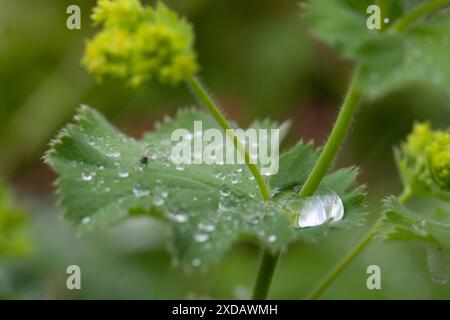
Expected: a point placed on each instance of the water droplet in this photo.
(234, 180)
(164, 194)
(317, 210)
(312, 213)
(201, 237)
(438, 264)
(86, 176)
(180, 217)
(140, 192)
(179, 167)
(272, 238)
(334, 207)
(206, 227)
(158, 201)
(196, 262)
(123, 174)
(254, 219)
(223, 207)
(225, 191)
(86, 220)
(274, 192)
(113, 154)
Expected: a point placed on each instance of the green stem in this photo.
(268, 263)
(426, 8)
(325, 160)
(327, 157)
(326, 282)
(343, 121)
(269, 260)
(400, 25)
(343, 264)
(203, 96)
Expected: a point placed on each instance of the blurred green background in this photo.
(259, 60)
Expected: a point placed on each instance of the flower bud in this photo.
(439, 159)
(425, 158)
(139, 43)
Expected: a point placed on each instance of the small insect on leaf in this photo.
(144, 160)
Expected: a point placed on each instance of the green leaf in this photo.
(13, 227)
(295, 166)
(106, 177)
(388, 59)
(400, 223)
(431, 229)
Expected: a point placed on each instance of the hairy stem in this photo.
(269, 259)
(328, 155)
(350, 256)
(426, 8)
(343, 121)
(417, 13)
(325, 160)
(215, 111)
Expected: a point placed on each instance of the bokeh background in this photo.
(260, 61)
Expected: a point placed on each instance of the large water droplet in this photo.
(317, 210)
(333, 206)
(312, 213)
(438, 264)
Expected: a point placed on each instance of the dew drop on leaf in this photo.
(123, 174)
(317, 210)
(180, 217)
(86, 220)
(196, 262)
(113, 154)
(86, 176)
(333, 206)
(201, 237)
(140, 192)
(224, 191)
(312, 213)
(158, 201)
(206, 227)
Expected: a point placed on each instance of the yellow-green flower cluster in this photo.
(140, 43)
(439, 155)
(427, 154)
